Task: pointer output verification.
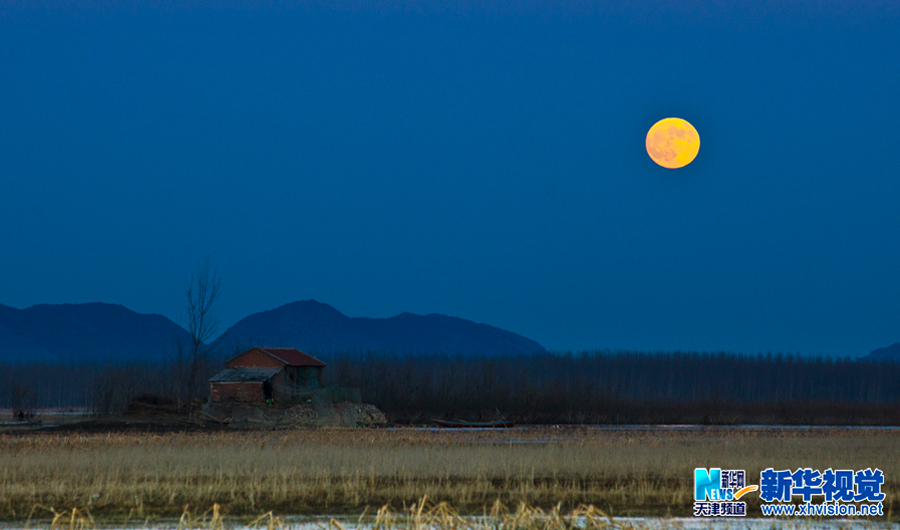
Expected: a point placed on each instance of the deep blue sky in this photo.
(479, 159)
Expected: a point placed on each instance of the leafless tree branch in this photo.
(202, 322)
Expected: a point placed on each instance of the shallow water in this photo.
(547, 434)
(325, 522)
(662, 427)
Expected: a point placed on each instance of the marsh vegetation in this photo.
(352, 471)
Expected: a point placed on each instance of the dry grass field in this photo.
(351, 471)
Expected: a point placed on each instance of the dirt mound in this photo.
(299, 416)
(346, 414)
(361, 414)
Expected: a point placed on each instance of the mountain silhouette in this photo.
(99, 332)
(77, 333)
(888, 353)
(312, 326)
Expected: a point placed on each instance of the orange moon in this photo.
(673, 143)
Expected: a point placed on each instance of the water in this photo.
(548, 434)
(325, 522)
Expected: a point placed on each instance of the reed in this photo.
(421, 515)
(350, 471)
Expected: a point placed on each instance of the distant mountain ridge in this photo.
(313, 326)
(888, 353)
(78, 333)
(100, 332)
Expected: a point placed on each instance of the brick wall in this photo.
(242, 391)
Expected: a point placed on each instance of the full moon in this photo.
(673, 143)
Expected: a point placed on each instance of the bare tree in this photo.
(21, 400)
(202, 322)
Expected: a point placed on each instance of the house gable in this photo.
(294, 357)
(258, 357)
(255, 358)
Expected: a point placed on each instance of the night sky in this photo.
(479, 159)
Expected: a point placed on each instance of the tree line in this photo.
(586, 387)
(625, 387)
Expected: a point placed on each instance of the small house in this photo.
(264, 375)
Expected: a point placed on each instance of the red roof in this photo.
(293, 357)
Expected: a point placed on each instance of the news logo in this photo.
(716, 492)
